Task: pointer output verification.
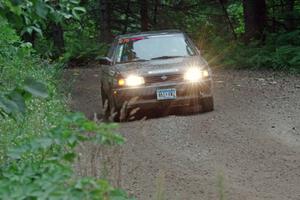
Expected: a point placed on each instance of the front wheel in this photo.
(108, 109)
(207, 104)
(117, 114)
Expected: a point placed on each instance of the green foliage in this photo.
(40, 168)
(13, 102)
(205, 21)
(236, 13)
(15, 87)
(280, 51)
(33, 16)
(37, 151)
(82, 42)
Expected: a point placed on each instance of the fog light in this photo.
(205, 73)
(121, 82)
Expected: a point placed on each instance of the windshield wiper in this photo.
(136, 60)
(165, 57)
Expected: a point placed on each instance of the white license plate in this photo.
(165, 94)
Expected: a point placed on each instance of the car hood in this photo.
(162, 66)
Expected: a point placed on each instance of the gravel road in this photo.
(248, 148)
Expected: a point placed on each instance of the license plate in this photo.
(165, 94)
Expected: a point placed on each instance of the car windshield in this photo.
(141, 49)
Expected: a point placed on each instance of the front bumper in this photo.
(145, 96)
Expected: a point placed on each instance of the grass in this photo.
(220, 186)
(160, 186)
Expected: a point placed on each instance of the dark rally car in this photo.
(160, 70)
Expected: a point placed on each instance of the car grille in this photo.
(163, 78)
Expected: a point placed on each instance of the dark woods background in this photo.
(231, 33)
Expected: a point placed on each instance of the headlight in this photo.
(132, 80)
(195, 74)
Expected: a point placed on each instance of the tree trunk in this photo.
(127, 17)
(57, 34)
(222, 2)
(29, 38)
(255, 17)
(144, 15)
(105, 21)
(155, 12)
(289, 9)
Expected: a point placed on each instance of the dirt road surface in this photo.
(247, 149)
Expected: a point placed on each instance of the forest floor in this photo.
(248, 148)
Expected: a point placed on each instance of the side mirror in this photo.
(104, 60)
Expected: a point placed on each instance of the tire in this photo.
(207, 104)
(116, 114)
(110, 112)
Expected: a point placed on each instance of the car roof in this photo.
(149, 33)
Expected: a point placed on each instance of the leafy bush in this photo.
(278, 52)
(40, 167)
(30, 17)
(235, 11)
(17, 62)
(82, 42)
(37, 149)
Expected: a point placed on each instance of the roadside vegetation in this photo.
(38, 134)
(38, 38)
